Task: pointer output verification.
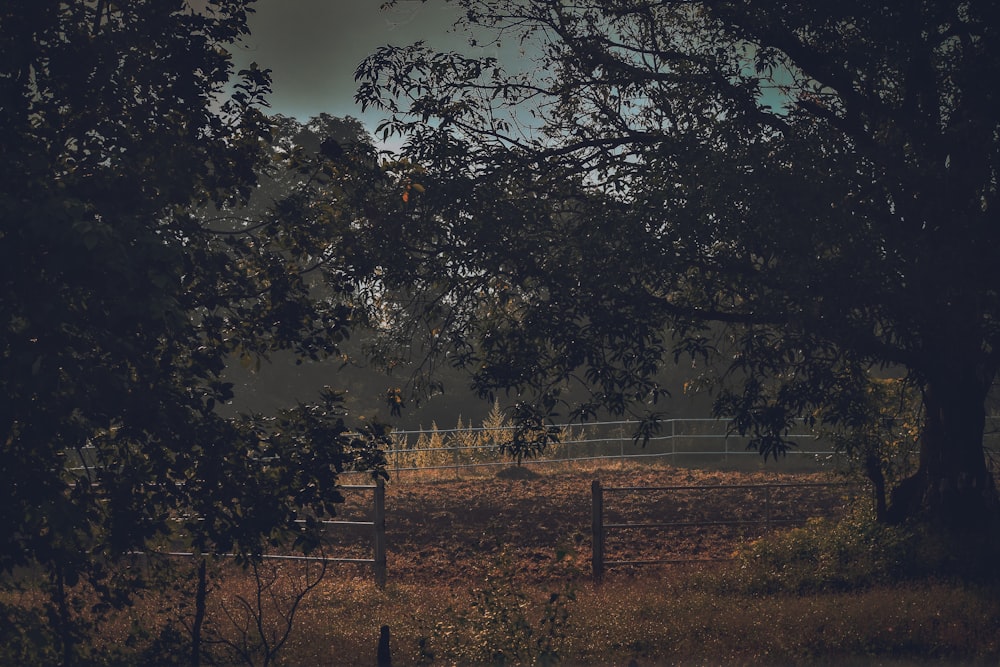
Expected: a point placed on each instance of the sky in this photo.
(314, 46)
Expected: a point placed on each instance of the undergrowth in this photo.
(853, 552)
(829, 592)
(504, 623)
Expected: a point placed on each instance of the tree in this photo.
(123, 301)
(805, 194)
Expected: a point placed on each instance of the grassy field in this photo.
(653, 619)
(495, 569)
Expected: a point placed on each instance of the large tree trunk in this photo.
(953, 486)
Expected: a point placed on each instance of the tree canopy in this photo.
(804, 195)
(130, 279)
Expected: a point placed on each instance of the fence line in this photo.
(378, 559)
(599, 528)
(679, 438)
(683, 438)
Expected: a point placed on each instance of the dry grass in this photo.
(660, 618)
(470, 552)
(491, 567)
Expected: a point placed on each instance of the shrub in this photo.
(505, 624)
(25, 636)
(840, 554)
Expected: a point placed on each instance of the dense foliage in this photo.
(803, 196)
(131, 275)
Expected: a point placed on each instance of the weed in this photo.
(504, 623)
(853, 552)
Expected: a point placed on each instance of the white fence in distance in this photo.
(682, 440)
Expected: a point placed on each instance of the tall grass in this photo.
(467, 445)
(667, 616)
(851, 592)
(659, 618)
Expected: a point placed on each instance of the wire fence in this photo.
(678, 440)
(683, 441)
(668, 513)
(332, 529)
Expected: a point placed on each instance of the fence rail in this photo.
(679, 440)
(378, 559)
(600, 528)
(456, 448)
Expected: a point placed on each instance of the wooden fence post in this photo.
(379, 521)
(673, 442)
(383, 656)
(597, 531)
(767, 508)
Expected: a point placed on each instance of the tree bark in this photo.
(952, 486)
(201, 592)
(873, 471)
(63, 621)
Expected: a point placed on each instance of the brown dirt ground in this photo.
(440, 529)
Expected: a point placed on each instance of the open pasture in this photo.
(495, 569)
